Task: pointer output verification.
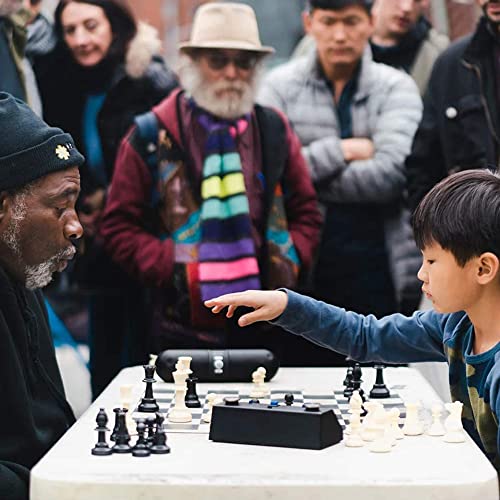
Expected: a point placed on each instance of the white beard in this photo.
(236, 104)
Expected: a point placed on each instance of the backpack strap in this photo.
(148, 129)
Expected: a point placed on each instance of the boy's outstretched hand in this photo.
(267, 305)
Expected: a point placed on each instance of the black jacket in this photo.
(34, 411)
(460, 124)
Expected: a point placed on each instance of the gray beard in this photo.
(204, 94)
(35, 276)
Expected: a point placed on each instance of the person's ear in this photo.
(487, 268)
(5, 204)
(307, 21)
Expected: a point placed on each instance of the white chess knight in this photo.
(259, 389)
(184, 365)
(453, 424)
(211, 400)
(436, 428)
(413, 426)
(180, 412)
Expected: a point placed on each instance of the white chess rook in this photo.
(453, 424)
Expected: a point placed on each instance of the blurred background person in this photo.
(356, 119)
(404, 38)
(104, 70)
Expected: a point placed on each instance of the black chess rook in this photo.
(379, 390)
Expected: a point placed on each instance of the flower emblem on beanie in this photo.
(62, 152)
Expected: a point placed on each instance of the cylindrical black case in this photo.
(209, 365)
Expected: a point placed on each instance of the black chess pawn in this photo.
(150, 422)
(122, 437)
(141, 448)
(379, 390)
(101, 448)
(289, 399)
(348, 377)
(148, 403)
(191, 399)
(160, 446)
(356, 381)
(348, 384)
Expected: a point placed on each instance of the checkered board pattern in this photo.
(336, 401)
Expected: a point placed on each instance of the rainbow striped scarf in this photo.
(227, 260)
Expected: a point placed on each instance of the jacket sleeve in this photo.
(304, 219)
(393, 339)
(381, 179)
(14, 481)
(123, 227)
(425, 166)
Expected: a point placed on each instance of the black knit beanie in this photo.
(29, 148)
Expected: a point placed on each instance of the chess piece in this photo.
(117, 424)
(383, 441)
(354, 439)
(184, 365)
(347, 383)
(150, 423)
(436, 428)
(289, 399)
(207, 417)
(101, 448)
(369, 427)
(122, 437)
(259, 389)
(159, 446)
(141, 448)
(148, 403)
(191, 399)
(412, 426)
(152, 359)
(180, 412)
(397, 432)
(379, 390)
(357, 380)
(453, 424)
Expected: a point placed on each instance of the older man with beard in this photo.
(211, 193)
(39, 185)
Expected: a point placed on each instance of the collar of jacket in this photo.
(365, 85)
(481, 43)
(16, 24)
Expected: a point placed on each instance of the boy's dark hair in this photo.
(338, 4)
(462, 214)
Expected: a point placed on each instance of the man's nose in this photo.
(406, 5)
(230, 71)
(73, 230)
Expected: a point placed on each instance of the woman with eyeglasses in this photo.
(104, 71)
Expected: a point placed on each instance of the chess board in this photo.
(335, 400)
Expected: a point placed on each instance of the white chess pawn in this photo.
(383, 437)
(207, 417)
(180, 412)
(368, 428)
(436, 428)
(453, 424)
(412, 426)
(152, 359)
(259, 389)
(125, 401)
(394, 423)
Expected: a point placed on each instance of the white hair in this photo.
(204, 93)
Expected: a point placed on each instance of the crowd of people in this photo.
(174, 187)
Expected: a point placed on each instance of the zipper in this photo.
(477, 70)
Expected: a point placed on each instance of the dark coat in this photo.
(132, 88)
(460, 125)
(34, 410)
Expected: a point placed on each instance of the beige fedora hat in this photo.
(225, 25)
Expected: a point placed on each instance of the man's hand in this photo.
(357, 148)
(267, 305)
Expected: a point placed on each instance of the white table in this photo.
(418, 467)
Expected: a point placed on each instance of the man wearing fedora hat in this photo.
(218, 196)
(39, 185)
(356, 119)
